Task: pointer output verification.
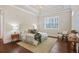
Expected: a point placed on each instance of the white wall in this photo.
(0, 27)
(64, 20)
(75, 17)
(1, 22)
(75, 21)
(15, 16)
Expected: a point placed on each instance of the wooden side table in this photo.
(15, 37)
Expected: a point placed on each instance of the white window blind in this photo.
(51, 22)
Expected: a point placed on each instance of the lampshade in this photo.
(34, 26)
(15, 28)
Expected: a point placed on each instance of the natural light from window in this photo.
(51, 22)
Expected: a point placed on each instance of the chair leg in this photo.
(74, 46)
(77, 45)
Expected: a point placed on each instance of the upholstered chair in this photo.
(72, 38)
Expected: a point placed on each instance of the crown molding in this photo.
(32, 9)
(24, 10)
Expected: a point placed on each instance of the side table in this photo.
(15, 37)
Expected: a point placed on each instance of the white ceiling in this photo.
(35, 9)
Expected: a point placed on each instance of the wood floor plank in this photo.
(59, 47)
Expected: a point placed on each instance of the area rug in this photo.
(44, 47)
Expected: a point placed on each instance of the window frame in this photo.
(55, 19)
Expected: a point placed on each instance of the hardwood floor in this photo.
(59, 47)
(12, 48)
(62, 47)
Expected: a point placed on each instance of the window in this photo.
(51, 22)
